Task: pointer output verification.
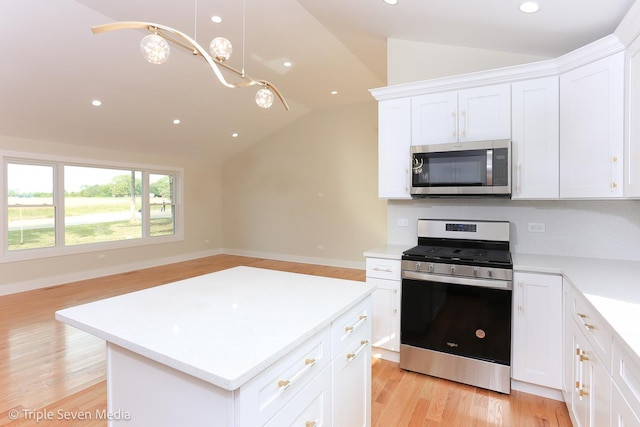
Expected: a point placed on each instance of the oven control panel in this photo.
(458, 270)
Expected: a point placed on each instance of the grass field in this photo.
(109, 219)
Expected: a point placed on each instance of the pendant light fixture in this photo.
(155, 48)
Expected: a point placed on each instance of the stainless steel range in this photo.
(456, 303)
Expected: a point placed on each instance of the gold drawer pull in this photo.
(583, 393)
(284, 384)
(588, 326)
(352, 356)
(584, 316)
(349, 329)
(313, 423)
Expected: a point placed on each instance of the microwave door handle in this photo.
(489, 168)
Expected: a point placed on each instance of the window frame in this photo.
(58, 163)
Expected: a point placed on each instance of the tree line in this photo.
(119, 186)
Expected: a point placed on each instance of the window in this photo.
(57, 207)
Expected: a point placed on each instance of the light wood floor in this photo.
(47, 368)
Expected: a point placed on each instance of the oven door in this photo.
(461, 319)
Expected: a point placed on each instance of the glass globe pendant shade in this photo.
(264, 98)
(155, 49)
(220, 48)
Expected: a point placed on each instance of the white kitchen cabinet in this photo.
(621, 413)
(537, 329)
(535, 145)
(386, 275)
(590, 404)
(632, 137)
(394, 142)
(476, 114)
(352, 383)
(591, 129)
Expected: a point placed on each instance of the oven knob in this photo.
(476, 271)
(453, 269)
(431, 268)
(417, 266)
(490, 273)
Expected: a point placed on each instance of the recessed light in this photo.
(287, 64)
(234, 135)
(391, 2)
(529, 7)
(96, 103)
(334, 92)
(176, 121)
(216, 19)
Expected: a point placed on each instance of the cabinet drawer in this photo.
(626, 374)
(595, 328)
(382, 268)
(262, 397)
(350, 324)
(310, 407)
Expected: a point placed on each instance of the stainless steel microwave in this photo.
(466, 168)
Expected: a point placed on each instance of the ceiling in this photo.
(53, 66)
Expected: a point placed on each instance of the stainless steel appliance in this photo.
(469, 168)
(455, 318)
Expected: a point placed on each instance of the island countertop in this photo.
(225, 327)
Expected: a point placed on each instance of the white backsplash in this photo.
(598, 228)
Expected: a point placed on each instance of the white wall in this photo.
(309, 192)
(409, 61)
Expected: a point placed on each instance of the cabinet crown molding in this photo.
(551, 67)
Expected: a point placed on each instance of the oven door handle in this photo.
(455, 280)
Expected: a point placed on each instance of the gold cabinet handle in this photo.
(313, 423)
(349, 329)
(583, 393)
(308, 363)
(589, 326)
(582, 316)
(352, 356)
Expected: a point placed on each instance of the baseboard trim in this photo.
(44, 282)
(538, 390)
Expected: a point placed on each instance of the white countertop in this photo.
(611, 286)
(387, 251)
(224, 327)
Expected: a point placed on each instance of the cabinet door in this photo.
(394, 140)
(484, 113)
(386, 315)
(591, 395)
(434, 118)
(632, 149)
(591, 129)
(352, 384)
(537, 329)
(621, 413)
(535, 138)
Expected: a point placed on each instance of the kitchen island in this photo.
(239, 347)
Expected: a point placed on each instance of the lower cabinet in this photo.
(385, 274)
(326, 381)
(537, 329)
(621, 413)
(589, 396)
(352, 384)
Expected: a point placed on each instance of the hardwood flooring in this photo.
(51, 373)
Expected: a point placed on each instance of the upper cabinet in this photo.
(535, 139)
(475, 114)
(394, 141)
(592, 128)
(632, 146)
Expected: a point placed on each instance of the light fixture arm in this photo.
(181, 39)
